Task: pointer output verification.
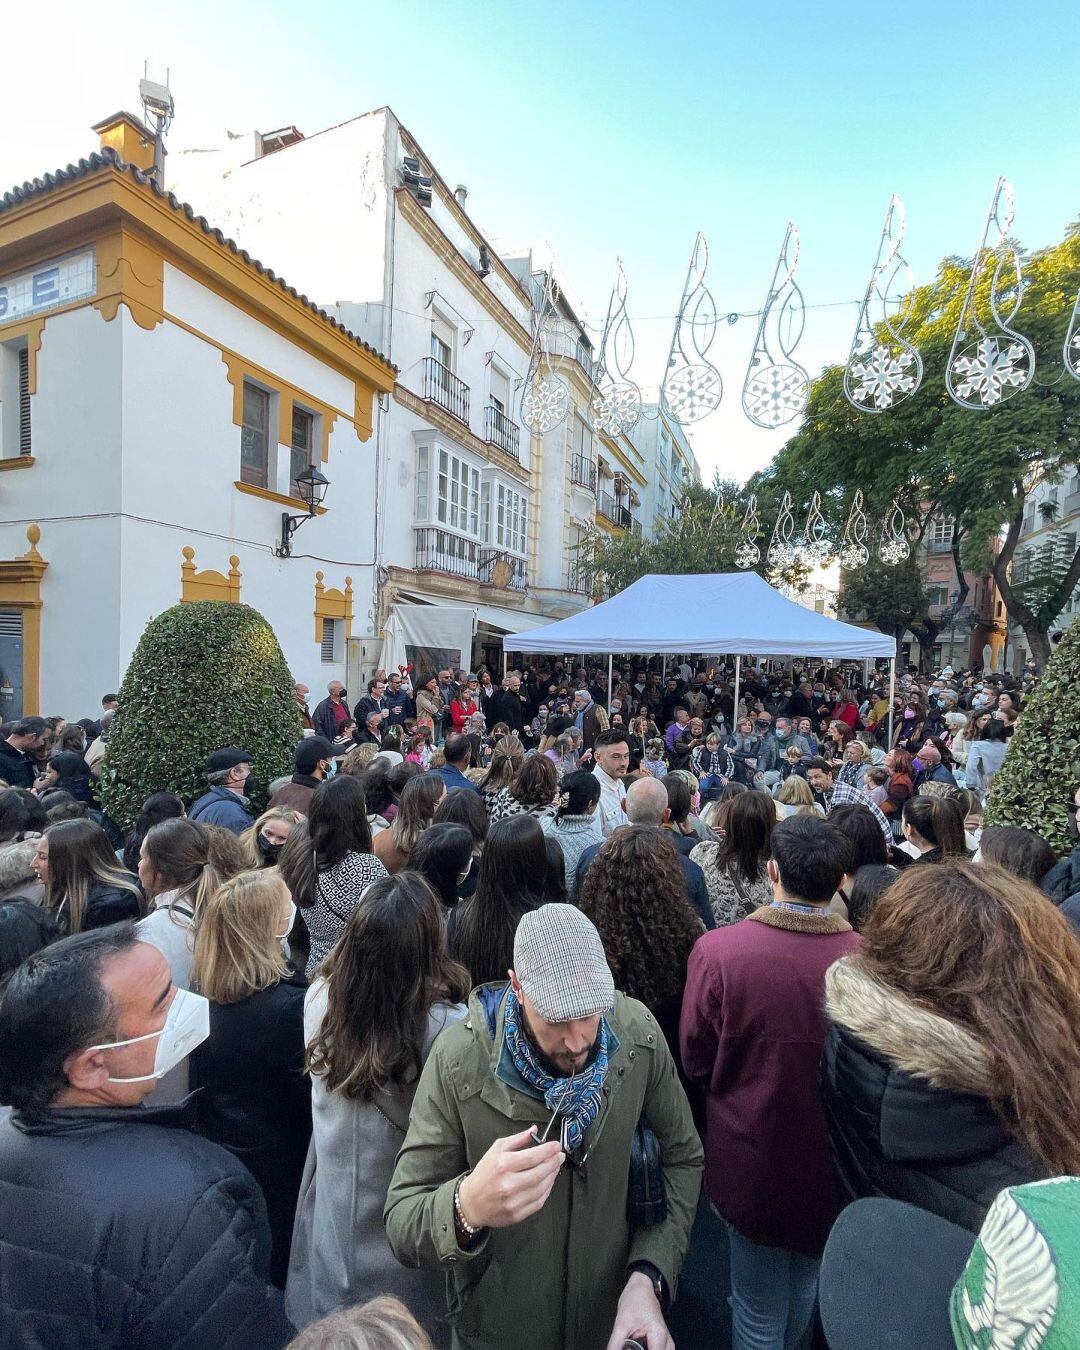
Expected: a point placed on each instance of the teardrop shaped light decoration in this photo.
(545, 395)
(894, 541)
(692, 387)
(777, 388)
(1071, 349)
(853, 550)
(816, 548)
(883, 368)
(748, 553)
(782, 551)
(617, 401)
(991, 362)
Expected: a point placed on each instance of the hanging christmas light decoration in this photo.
(545, 395)
(782, 551)
(747, 553)
(853, 551)
(1071, 350)
(991, 362)
(894, 541)
(777, 389)
(816, 547)
(692, 387)
(617, 401)
(883, 368)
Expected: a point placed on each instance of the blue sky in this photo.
(622, 129)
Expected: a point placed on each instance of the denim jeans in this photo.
(773, 1293)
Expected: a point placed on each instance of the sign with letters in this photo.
(47, 285)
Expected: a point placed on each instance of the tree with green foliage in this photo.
(1038, 779)
(937, 458)
(204, 675)
(885, 596)
(701, 537)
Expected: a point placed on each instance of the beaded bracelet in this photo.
(466, 1226)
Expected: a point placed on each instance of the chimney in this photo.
(460, 193)
(132, 140)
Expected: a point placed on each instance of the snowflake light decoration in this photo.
(544, 404)
(748, 554)
(853, 551)
(883, 368)
(782, 551)
(692, 387)
(617, 407)
(990, 361)
(617, 401)
(894, 541)
(776, 388)
(879, 378)
(989, 368)
(775, 395)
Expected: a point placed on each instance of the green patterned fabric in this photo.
(1020, 1289)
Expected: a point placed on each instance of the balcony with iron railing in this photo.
(579, 579)
(583, 472)
(443, 387)
(617, 513)
(493, 561)
(443, 551)
(500, 431)
(565, 343)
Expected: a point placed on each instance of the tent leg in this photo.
(609, 666)
(506, 658)
(892, 695)
(663, 669)
(735, 706)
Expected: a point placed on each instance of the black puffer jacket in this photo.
(1063, 879)
(906, 1102)
(120, 1228)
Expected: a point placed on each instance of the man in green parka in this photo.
(514, 1173)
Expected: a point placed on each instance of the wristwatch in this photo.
(656, 1279)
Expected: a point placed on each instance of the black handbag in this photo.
(646, 1196)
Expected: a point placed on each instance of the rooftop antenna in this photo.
(158, 107)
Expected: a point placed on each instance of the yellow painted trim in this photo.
(208, 585)
(17, 462)
(78, 212)
(279, 497)
(439, 243)
(130, 271)
(238, 369)
(130, 138)
(31, 330)
(460, 434)
(20, 587)
(331, 603)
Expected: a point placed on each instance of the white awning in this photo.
(508, 620)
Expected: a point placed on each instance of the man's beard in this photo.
(564, 1066)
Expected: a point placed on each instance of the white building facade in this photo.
(1047, 544)
(160, 394)
(473, 515)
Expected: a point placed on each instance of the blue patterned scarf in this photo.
(576, 1098)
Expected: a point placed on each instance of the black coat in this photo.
(1063, 879)
(256, 1098)
(119, 1228)
(16, 769)
(324, 719)
(938, 1145)
(104, 905)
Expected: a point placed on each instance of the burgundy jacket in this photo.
(752, 1031)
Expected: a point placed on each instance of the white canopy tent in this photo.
(726, 613)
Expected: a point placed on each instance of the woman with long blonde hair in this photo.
(264, 840)
(952, 1066)
(256, 1098)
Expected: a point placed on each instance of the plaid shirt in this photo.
(844, 792)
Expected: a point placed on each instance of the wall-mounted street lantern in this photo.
(311, 485)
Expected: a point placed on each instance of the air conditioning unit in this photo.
(418, 184)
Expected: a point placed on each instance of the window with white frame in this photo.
(506, 514)
(582, 438)
(500, 392)
(442, 341)
(448, 490)
(255, 443)
(941, 532)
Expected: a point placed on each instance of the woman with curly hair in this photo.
(635, 895)
(952, 1066)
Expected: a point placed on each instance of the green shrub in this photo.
(1042, 765)
(204, 675)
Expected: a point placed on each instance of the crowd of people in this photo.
(440, 1046)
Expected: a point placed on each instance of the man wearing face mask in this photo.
(228, 771)
(119, 1226)
(313, 763)
(513, 1174)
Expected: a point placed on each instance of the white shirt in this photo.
(612, 796)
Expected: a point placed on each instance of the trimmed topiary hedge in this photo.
(1042, 766)
(204, 674)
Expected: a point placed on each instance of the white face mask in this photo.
(186, 1026)
(283, 937)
